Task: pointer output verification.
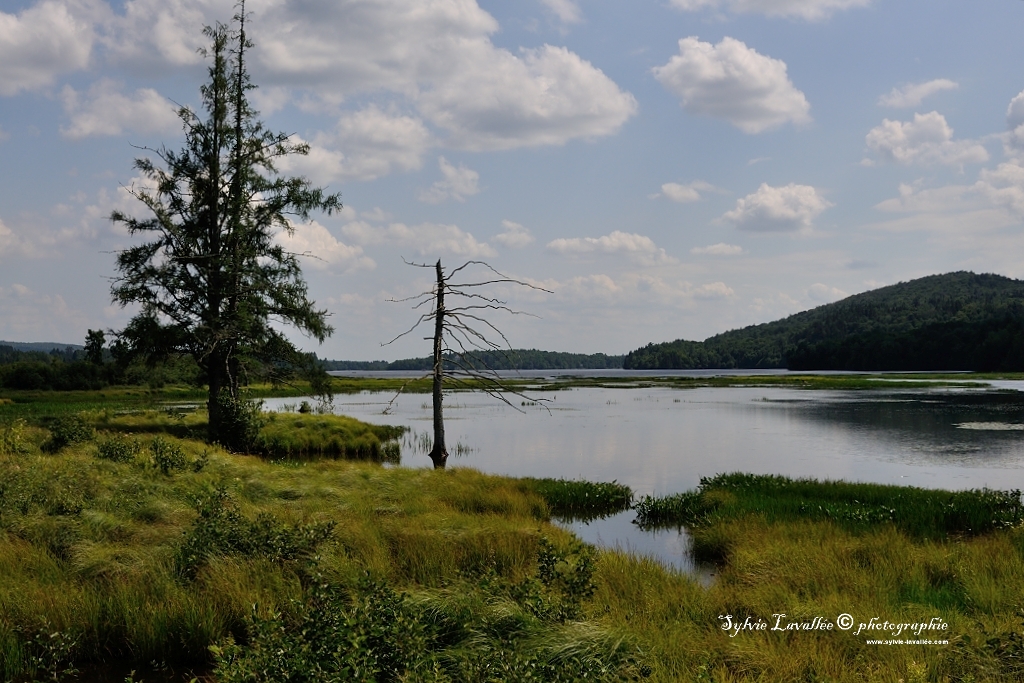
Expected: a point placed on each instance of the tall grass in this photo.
(581, 500)
(105, 555)
(922, 513)
(310, 437)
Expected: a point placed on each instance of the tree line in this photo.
(515, 359)
(977, 317)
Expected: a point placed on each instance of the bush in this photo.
(373, 637)
(221, 530)
(487, 630)
(168, 457)
(120, 448)
(68, 430)
(12, 437)
(240, 423)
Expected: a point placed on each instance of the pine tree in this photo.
(211, 277)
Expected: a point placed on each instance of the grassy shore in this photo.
(127, 541)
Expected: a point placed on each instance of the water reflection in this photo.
(663, 440)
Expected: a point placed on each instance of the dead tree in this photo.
(461, 334)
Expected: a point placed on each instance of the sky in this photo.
(664, 169)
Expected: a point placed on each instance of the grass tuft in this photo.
(921, 513)
(581, 500)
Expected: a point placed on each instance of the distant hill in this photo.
(517, 359)
(42, 347)
(956, 321)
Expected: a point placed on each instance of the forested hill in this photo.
(517, 359)
(956, 321)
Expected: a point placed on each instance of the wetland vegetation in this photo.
(126, 540)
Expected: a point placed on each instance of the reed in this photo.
(922, 513)
(581, 500)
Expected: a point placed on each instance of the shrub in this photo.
(120, 448)
(68, 430)
(220, 529)
(49, 651)
(168, 457)
(240, 423)
(12, 437)
(374, 636)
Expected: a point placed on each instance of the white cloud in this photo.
(825, 294)
(713, 290)
(377, 214)
(720, 249)
(912, 94)
(1015, 124)
(1003, 186)
(686, 193)
(633, 290)
(30, 315)
(547, 96)
(733, 82)
(322, 250)
(43, 41)
(927, 140)
(428, 239)
(434, 56)
(912, 199)
(104, 110)
(567, 11)
(458, 183)
(811, 10)
(515, 236)
(155, 34)
(366, 144)
(778, 209)
(617, 242)
(10, 244)
(33, 238)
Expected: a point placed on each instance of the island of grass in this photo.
(125, 541)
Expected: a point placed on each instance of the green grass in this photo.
(292, 436)
(107, 555)
(920, 513)
(581, 500)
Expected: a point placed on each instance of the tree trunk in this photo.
(439, 453)
(213, 407)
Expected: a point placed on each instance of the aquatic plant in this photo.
(581, 500)
(922, 513)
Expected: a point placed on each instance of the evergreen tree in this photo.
(211, 277)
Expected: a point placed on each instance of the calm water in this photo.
(663, 440)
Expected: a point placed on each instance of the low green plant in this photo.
(581, 500)
(67, 430)
(221, 530)
(565, 579)
(48, 651)
(329, 637)
(922, 513)
(487, 631)
(241, 422)
(12, 437)
(298, 436)
(119, 448)
(168, 457)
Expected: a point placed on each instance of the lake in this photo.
(663, 440)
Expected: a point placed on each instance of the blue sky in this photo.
(667, 169)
